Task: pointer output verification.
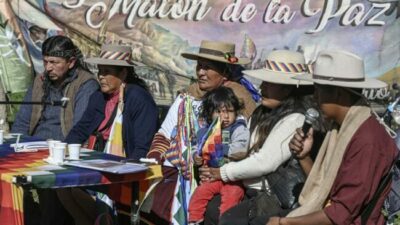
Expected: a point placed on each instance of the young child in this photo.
(226, 138)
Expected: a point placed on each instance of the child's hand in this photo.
(198, 160)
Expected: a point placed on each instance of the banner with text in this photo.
(160, 30)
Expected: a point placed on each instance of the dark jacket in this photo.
(140, 119)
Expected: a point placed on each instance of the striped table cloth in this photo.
(31, 167)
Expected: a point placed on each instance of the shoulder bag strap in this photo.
(111, 120)
(366, 212)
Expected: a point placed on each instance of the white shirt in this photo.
(270, 156)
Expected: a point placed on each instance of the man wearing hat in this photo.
(357, 152)
(214, 69)
(64, 76)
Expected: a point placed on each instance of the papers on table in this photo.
(32, 146)
(108, 166)
(11, 135)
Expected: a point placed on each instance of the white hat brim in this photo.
(368, 83)
(276, 77)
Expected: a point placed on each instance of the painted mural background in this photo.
(160, 30)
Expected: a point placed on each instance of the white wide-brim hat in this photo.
(114, 55)
(340, 68)
(280, 67)
(217, 51)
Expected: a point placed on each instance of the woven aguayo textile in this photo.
(180, 152)
(210, 145)
(38, 173)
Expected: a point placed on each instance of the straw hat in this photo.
(280, 67)
(114, 55)
(217, 51)
(341, 68)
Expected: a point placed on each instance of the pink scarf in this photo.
(111, 103)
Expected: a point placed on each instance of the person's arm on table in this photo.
(90, 120)
(161, 141)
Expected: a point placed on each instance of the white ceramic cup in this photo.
(58, 154)
(51, 144)
(74, 150)
(1, 137)
(60, 145)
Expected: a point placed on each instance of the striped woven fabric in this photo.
(159, 146)
(115, 144)
(181, 151)
(285, 67)
(32, 165)
(115, 55)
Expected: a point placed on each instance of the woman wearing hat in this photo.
(124, 99)
(271, 125)
(214, 69)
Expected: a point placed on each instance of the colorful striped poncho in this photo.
(179, 153)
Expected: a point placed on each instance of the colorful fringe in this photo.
(180, 152)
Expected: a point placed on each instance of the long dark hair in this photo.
(217, 98)
(63, 47)
(264, 119)
(60, 46)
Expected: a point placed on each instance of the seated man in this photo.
(64, 76)
(355, 155)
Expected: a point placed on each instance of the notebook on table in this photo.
(108, 166)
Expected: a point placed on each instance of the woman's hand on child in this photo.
(204, 174)
(215, 174)
(208, 174)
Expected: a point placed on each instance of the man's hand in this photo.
(198, 160)
(300, 145)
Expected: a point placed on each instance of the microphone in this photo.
(63, 102)
(311, 116)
